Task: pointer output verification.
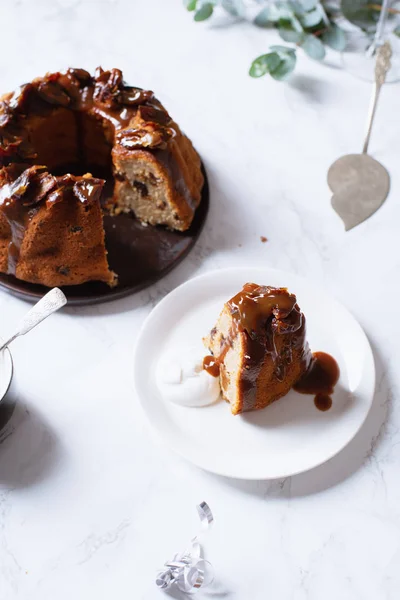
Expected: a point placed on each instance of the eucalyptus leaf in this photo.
(263, 18)
(332, 8)
(297, 7)
(313, 47)
(283, 49)
(296, 24)
(278, 10)
(282, 9)
(285, 22)
(234, 7)
(308, 4)
(312, 18)
(190, 4)
(268, 16)
(288, 34)
(278, 64)
(300, 7)
(264, 64)
(335, 38)
(204, 12)
(285, 67)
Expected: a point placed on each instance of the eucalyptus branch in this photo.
(310, 25)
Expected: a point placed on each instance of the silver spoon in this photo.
(52, 301)
(360, 184)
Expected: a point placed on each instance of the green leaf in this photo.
(285, 67)
(308, 5)
(289, 34)
(264, 64)
(190, 4)
(332, 10)
(296, 23)
(204, 12)
(280, 9)
(283, 49)
(335, 38)
(312, 18)
(397, 31)
(313, 47)
(265, 18)
(296, 7)
(234, 7)
(302, 6)
(278, 64)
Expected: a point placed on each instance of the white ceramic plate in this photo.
(286, 438)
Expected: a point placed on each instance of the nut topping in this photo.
(150, 135)
(52, 93)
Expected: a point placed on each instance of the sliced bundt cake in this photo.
(77, 125)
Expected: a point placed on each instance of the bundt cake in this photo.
(57, 131)
(258, 347)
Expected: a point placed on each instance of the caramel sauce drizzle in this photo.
(320, 380)
(211, 365)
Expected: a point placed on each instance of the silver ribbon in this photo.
(188, 570)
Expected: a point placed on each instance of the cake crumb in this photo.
(263, 239)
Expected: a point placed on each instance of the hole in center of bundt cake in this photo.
(73, 142)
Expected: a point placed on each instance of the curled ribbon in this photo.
(188, 570)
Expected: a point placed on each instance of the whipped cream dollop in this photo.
(182, 380)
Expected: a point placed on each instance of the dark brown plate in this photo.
(140, 255)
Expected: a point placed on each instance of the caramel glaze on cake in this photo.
(56, 227)
(51, 228)
(259, 344)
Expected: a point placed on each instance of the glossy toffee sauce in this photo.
(262, 313)
(17, 217)
(320, 380)
(211, 365)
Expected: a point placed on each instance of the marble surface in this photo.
(90, 503)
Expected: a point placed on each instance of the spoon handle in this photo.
(378, 38)
(382, 66)
(51, 302)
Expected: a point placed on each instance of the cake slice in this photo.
(51, 228)
(259, 344)
(157, 171)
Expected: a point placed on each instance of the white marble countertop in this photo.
(90, 503)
